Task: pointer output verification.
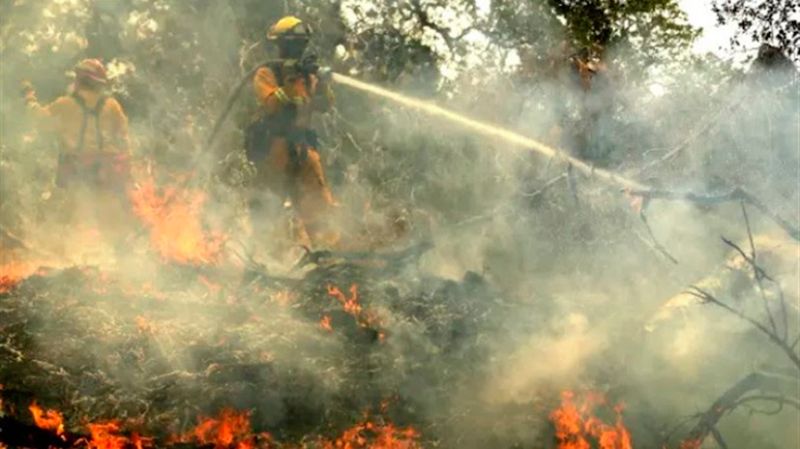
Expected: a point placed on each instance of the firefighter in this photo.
(280, 141)
(94, 147)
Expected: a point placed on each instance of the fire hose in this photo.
(626, 184)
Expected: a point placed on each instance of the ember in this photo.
(47, 419)
(352, 306)
(174, 220)
(576, 426)
(371, 435)
(325, 323)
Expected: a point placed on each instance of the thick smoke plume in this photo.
(476, 280)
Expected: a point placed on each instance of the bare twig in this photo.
(545, 187)
(782, 344)
(737, 194)
(746, 257)
(655, 243)
(781, 400)
(718, 437)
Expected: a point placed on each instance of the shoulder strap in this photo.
(79, 100)
(98, 109)
(277, 70)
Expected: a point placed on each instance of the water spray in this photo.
(609, 177)
(492, 131)
(497, 132)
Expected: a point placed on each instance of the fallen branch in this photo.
(730, 400)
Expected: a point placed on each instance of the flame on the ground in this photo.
(231, 429)
(14, 272)
(173, 217)
(108, 435)
(576, 426)
(47, 419)
(372, 435)
(325, 323)
(145, 326)
(352, 306)
(105, 436)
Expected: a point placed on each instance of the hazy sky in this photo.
(715, 38)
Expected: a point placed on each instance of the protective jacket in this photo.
(92, 132)
(281, 142)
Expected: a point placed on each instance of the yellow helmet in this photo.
(288, 27)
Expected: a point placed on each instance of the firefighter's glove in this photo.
(309, 65)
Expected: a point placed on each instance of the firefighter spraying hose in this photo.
(286, 89)
(291, 33)
(285, 150)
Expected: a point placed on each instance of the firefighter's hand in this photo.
(291, 69)
(309, 64)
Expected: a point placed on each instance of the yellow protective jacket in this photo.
(80, 127)
(276, 96)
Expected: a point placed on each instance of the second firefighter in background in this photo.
(280, 141)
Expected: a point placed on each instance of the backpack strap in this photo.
(277, 69)
(79, 100)
(98, 109)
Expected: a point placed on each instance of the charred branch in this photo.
(729, 401)
(737, 194)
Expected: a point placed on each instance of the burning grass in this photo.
(174, 219)
(577, 426)
(124, 366)
(13, 272)
(231, 429)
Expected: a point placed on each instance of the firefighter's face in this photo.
(293, 47)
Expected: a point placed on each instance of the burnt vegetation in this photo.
(481, 296)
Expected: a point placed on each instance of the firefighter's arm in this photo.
(270, 95)
(42, 114)
(119, 126)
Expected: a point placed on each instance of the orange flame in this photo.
(173, 217)
(47, 419)
(106, 436)
(325, 323)
(370, 435)
(352, 306)
(140, 442)
(144, 326)
(14, 272)
(230, 430)
(575, 426)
